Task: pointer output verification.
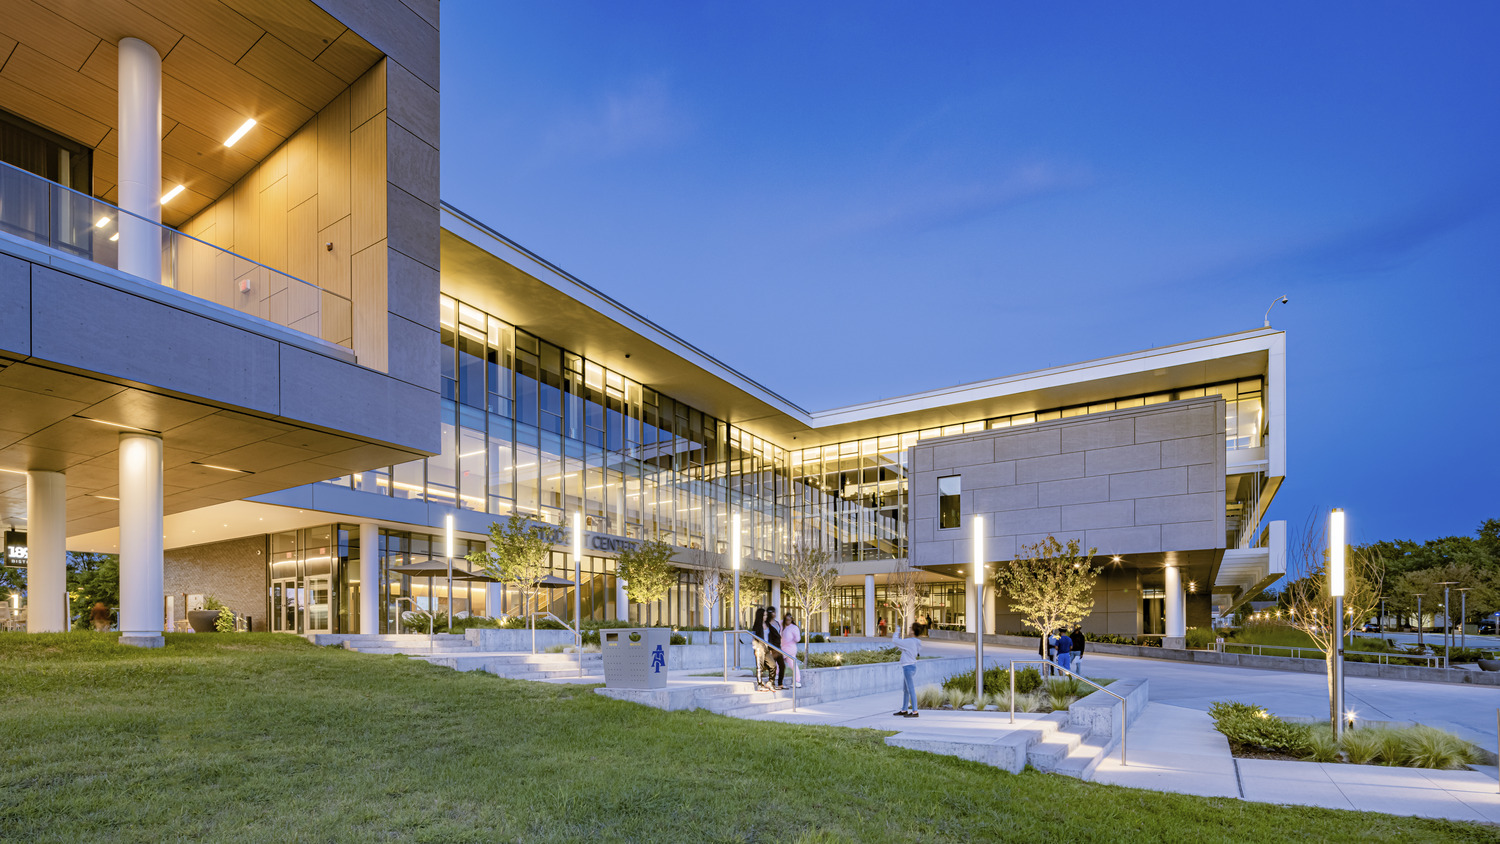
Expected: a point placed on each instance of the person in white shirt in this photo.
(909, 650)
(790, 636)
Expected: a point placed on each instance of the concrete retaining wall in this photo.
(1270, 663)
(1100, 712)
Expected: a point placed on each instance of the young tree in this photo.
(648, 573)
(1308, 597)
(713, 581)
(753, 589)
(904, 590)
(810, 577)
(1050, 584)
(519, 553)
(92, 578)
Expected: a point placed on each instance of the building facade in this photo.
(332, 363)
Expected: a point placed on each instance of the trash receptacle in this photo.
(635, 658)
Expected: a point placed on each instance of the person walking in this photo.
(791, 636)
(881, 627)
(1077, 638)
(758, 645)
(909, 650)
(777, 662)
(1064, 650)
(99, 617)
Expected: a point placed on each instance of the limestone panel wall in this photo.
(1135, 481)
(234, 571)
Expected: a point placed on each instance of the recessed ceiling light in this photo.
(114, 237)
(103, 221)
(115, 424)
(222, 468)
(107, 497)
(240, 132)
(172, 194)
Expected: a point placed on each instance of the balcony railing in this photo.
(46, 213)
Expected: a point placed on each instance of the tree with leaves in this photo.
(92, 578)
(1310, 601)
(519, 553)
(648, 573)
(753, 589)
(810, 578)
(1050, 585)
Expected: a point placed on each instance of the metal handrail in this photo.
(1124, 720)
(1384, 658)
(796, 665)
(413, 602)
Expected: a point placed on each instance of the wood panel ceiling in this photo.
(278, 61)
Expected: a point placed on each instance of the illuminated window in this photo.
(948, 490)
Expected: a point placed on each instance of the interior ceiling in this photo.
(1200, 567)
(278, 61)
(56, 421)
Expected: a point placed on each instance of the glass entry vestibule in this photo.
(311, 584)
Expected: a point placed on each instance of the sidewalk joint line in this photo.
(1238, 783)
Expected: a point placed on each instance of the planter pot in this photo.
(202, 621)
(1489, 665)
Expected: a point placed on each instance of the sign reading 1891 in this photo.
(15, 548)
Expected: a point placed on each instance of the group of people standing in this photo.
(782, 633)
(1064, 648)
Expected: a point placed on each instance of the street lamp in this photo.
(979, 611)
(1419, 618)
(1381, 621)
(1336, 589)
(1463, 617)
(734, 560)
(448, 536)
(578, 586)
(1447, 620)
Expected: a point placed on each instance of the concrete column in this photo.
(622, 602)
(870, 629)
(141, 540)
(140, 159)
(369, 578)
(776, 593)
(1176, 636)
(46, 555)
(970, 613)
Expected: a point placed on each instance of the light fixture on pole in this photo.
(1447, 620)
(578, 586)
(1381, 622)
(448, 535)
(734, 560)
(1419, 619)
(978, 543)
(1336, 589)
(1282, 300)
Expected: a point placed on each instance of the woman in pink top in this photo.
(790, 636)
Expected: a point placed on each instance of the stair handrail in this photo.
(577, 636)
(753, 638)
(413, 602)
(1124, 720)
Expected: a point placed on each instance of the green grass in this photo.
(263, 737)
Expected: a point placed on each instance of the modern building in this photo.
(329, 363)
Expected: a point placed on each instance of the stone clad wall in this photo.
(233, 571)
(1135, 481)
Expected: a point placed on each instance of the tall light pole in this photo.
(978, 611)
(1382, 616)
(734, 560)
(1419, 618)
(1463, 617)
(448, 536)
(1447, 620)
(1336, 589)
(578, 587)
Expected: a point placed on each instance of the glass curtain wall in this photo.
(532, 428)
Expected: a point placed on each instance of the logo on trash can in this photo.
(658, 660)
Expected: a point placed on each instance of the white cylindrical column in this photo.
(46, 554)
(870, 625)
(1176, 620)
(140, 159)
(622, 601)
(776, 593)
(141, 540)
(369, 578)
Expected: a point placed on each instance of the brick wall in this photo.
(233, 571)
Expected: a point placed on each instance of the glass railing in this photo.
(46, 213)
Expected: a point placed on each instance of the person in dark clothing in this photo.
(777, 662)
(1077, 638)
(758, 628)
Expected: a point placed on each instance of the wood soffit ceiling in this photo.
(278, 61)
(48, 423)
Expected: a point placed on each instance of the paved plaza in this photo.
(1174, 747)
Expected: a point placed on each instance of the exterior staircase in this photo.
(411, 644)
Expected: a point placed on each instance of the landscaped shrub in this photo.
(929, 697)
(518, 623)
(834, 659)
(1200, 638)
(1363, 746)
(1429, 747)
(1321, 745)
(960, 697)
(677, 639)
(1253, 727)
(817, 639)
(1027, 680)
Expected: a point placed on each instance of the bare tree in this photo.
(519, 553)
(904, 589)
(810, 577)
(1050, 584)
(1308, 596)
(713, 581)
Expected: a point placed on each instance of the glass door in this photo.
(284, 604)
(319, 604)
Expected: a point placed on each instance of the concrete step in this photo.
(1083, 759)
(1057, 741)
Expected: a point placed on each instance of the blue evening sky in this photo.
(855, 200)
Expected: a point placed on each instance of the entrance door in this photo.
(319, 604)
(285, 598)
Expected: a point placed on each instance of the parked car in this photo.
(1487, 628)
(1371, 627)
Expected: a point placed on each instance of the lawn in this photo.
(263, 737)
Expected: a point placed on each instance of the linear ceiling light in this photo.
(240, 132)
(103, 221)
(115, 424)
(172, 194)
(114, 237)
(223, 468)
